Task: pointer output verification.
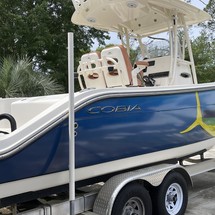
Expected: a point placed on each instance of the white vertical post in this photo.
(193, 68)
(71, 124)
(175, 48)
(141, 46)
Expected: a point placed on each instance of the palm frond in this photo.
(18, 79)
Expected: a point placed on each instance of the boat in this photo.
(126, 116)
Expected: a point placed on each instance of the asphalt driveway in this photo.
(202, 196)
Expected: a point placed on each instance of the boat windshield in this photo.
(157, 47)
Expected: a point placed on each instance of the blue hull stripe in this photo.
(113, 129)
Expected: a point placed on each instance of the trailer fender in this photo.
(154, 175)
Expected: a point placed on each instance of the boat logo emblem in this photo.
(114, 109)
(200, 121)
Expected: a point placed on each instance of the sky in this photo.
(197, 3)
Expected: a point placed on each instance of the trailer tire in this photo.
(133, 199)
(171, 196)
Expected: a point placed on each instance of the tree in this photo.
(38, 29)
(17, 79)
(210, 8)
(204, 50)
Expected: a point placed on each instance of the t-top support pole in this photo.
(71, 124)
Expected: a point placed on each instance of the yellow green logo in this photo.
(208, 124)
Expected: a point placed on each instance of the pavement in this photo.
(202, 195)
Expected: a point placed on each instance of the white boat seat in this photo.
(90, 74)
(116, 66)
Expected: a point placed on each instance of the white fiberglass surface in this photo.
(141, 17)
(25, 109)
(32, 115)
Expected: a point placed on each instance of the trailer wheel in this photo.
(134, 199)
(172, 195)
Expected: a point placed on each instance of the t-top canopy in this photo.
(138, 17)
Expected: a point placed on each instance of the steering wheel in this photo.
(148, 81)
(11, 120)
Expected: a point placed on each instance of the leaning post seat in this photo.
(90, 74)
(116, 66)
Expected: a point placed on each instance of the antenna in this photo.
(203, 2)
